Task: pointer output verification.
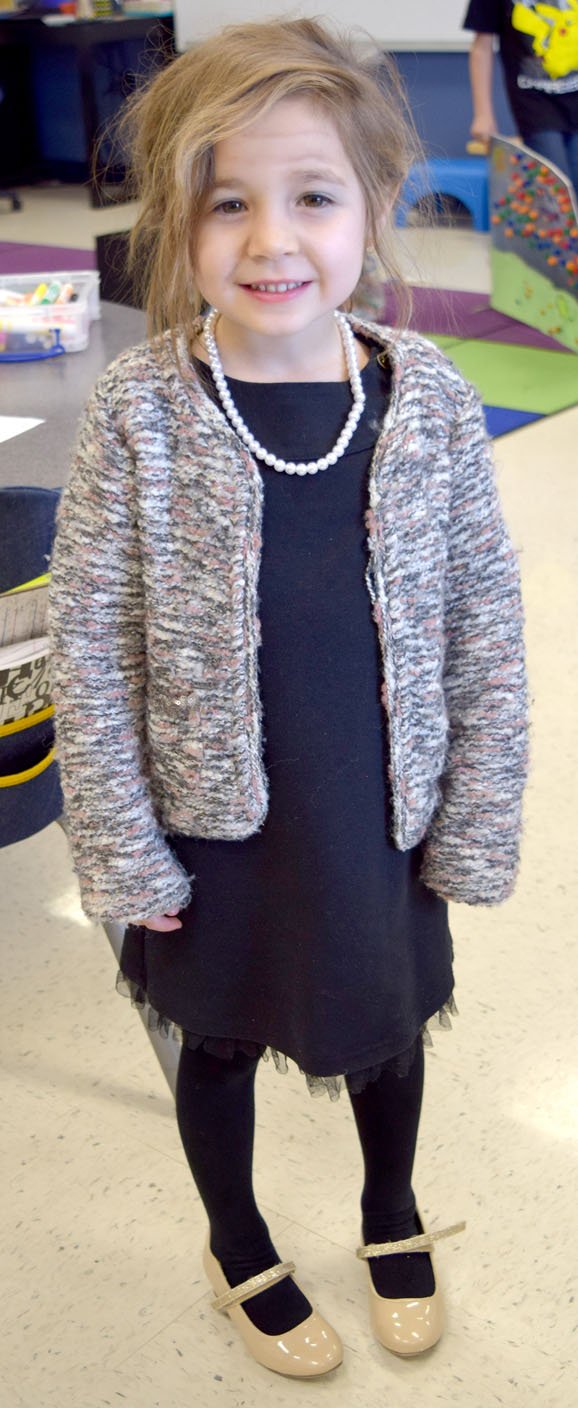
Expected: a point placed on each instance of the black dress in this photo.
(314, 939)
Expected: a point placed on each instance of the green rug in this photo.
(527, 378)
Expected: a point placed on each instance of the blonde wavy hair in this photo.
(215, 90)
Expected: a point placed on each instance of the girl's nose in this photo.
(271, 237)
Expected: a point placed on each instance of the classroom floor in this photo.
(103, 1295)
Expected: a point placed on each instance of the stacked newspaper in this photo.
(24, 652)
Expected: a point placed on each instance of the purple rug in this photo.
(453, 313)
(42, 258)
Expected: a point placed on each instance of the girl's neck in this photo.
(313, 355)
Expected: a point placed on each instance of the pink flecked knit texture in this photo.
(155, 631)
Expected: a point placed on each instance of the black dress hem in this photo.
(225, 1047)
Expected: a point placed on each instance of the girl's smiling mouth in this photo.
(275, 289)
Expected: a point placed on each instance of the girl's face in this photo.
(281, 243)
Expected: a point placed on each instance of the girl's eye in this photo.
(228, 207)
(314, 200)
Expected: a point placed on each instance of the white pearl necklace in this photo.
(287, 466)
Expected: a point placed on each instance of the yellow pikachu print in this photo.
(554, 32)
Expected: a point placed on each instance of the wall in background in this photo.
(437, 84)
(406, 23)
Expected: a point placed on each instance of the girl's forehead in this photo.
(294, 132)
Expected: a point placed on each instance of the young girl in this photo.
(287, 639)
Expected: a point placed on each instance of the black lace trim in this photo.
(225, 1047)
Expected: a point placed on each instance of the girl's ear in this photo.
(384, 219)
(386, 214)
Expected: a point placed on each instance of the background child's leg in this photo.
(216, 1119)
(571, 140)
(550, 145)
(387, 1116)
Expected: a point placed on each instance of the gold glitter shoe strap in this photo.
(422, 1243)
(250, 1288)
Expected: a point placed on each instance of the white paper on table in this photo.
(16, 425)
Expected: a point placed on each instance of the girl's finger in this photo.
(162, 923)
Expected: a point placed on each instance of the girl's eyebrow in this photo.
(228, 183)
(322, 173)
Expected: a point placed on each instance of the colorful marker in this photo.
(38, 294)
(9, 298)
(52, 291)
(66, 294)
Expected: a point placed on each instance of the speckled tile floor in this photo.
(102, 1292)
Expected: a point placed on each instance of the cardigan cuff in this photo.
(470, 875)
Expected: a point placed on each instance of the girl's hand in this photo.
(162, 923)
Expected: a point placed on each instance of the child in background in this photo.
(287, 634)
(539, 52)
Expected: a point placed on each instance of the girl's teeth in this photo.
(275, 288)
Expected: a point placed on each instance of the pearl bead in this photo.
(301, 469)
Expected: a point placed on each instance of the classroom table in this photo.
(26, 45)
(56, 391)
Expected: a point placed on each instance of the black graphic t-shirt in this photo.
(539, 50)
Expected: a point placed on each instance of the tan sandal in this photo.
(405, 1326)
(305, 1352)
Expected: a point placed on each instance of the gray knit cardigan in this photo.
(154, 616)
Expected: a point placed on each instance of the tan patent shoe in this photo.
(309, 1350)
(407, 1326)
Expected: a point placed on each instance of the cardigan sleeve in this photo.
(472, 847)
(124, 865)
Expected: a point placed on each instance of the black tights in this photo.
(387, 1116)
(216, 1118)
